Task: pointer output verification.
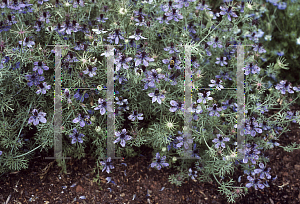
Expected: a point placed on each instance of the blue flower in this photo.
(202, 6)
(121, 61)
(79, 96)
(220, 140)
(159, 162)
(156, 96)
(107, 165)
(263, 172)
(174, 15)
(216, 83)
(281, 5)
(40, 66)
(76, 136)
(83, 120)
(254, 69)
(43, 88)
(123, 137)
(90, 70)
(27, 43)
(284, 86)
(193, 175)
(203, 97)
(143, 58)
(228, 11)
(255, 182)
(37, 117)
(221, 60)
(102, 106)
(171, 49)
(42, 1)
(215, 43)
(115, 36)
(34, 79)
(101, 18)
(135, 115)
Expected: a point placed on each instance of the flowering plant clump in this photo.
(149, 55)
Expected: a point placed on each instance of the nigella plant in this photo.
(264, 173)
(90, 70)
(195, 152)
(83, 120)
(42, 88)
(216, 83)
(123, 103)
(27, 42)
(228, 11)
(159, 162)
(202, 6)
(203, 97)
(138, 35)
(34, 78)
(121, 136)
(171, 49)
(220, 141)
(251, 152)
(135, 116)
(254, 69)
(103, 106)
(176, 106)
(191, 174)
(107, 165)
(175, 62)
(79, 96)
(76, 136)
(40, 66)
(182, 142)
(67, 95)
(221, 60)
(255, 182)
(284, 86)
(121, 61)
(156, 96)
(116, 36)
(143, 58)
(37, 117)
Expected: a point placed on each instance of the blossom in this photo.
(177, 105)
(137, 35)
(284, 86)
(116, 36)
(143, 58)
(191, 173)
(76, 136)
(174, 15)
(159, 162)
(34, 79)
(221, 60)
(135, 116)
(39, 65)
(82, 120)
(102, 106)
(171, 49)
(79, 96)
(203, 97)
(123, 137)
(37, 117)
(90, 70)
(156, 96)
(27, 43)
(228, 11)
(121, 61)
(43, 88)
(220, 140)
(216, 83)
(107, 165)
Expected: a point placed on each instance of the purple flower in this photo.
(27, 43)
(281, 5)
(291, 115)
(229, 103)
(215, 43)
(107, 165)
(137, 35)
(39, 65)
(216, 83)
(171, 66)
(195, 152)
(135, 115)
(67, 95)
(222, 60)
(78, 2)
(259, 48)
(262, 109)
(254, 182)
(34, 79)
(103, 106)
(203, 97)
(202, 6)
(123, 137)
(220, 140)
(181, 141)
(250, 68)
(228, 11)
(37, 117)
(90, 70)
(176, 106)
(121, 77)
(79, 96)
(163, 19)
(101, 18)
(121, 61)
(214, 110)
(159, 162)
(45, 17)
(252, 127)
(156, 96)
(183, 2)
(174, 15)
(0, 152)
(283, 86)
(76, 136)
(83, 121)
(191, 173)
(171, 49)
(115, 36)
(250, 153)
(142, 57)
(264, 173)
(123, 103)
(43, 88)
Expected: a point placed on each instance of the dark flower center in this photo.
(39, 63)
(156, 92)
(158, 160)
(122, 136)
(41, 85)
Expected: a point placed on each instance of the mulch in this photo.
(140, 184)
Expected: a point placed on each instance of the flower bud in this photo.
(158, 70)
(93, 118)
(99, 87)
(163, 149)
(98, 129)
(174, 159)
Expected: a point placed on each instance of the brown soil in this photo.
(140, 181)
